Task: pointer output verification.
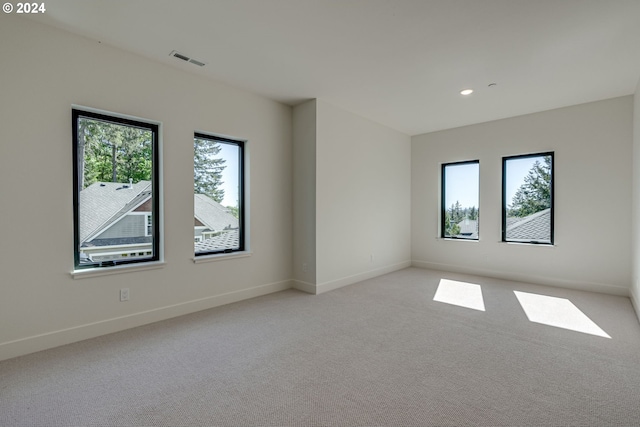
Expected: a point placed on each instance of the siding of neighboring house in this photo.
(197, 231)
(128, 226)
(145, 207)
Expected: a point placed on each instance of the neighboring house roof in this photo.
(512, 220)
(533, 227)
(226, 239)
(104, 203)
(212, 214)
(117, 241)
(468, 228)
(536, 226)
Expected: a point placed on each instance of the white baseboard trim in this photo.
(53, 339)
(307, 287)
(345, 281)
(602, 288)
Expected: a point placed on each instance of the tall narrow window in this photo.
(527, 198)
(460, 213)
(218, 187)
(116, 190)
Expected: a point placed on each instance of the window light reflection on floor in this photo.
(462, 294)
(558, 312)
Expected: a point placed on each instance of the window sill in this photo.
(106, 271)
(221, 257)
(449, 239)
(544, 245)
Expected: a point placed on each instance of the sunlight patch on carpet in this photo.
(558, 312)
(462, 294)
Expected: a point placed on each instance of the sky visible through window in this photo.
(230, 174)
(517, 170)
(463, 183)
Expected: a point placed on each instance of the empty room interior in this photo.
(320, 213)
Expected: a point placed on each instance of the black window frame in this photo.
(241, 192)
(154, 128)
(505, 159)
(443, 193)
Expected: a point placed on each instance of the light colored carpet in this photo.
(378, 353)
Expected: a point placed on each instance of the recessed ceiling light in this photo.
(466, 92)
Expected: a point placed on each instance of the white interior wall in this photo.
(363, 198)
(635, 284)
(304, 196)
(593, 146)
(44, 72)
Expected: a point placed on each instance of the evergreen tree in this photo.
(451, 228)
(234, 210)
(456, 212)
(534, 195)
(133, 160)
(110, 152)
(208, 169)
(472, 213)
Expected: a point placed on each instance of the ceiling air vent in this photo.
(187, 59)
(198, 63)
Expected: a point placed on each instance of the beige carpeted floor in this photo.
(378, 353)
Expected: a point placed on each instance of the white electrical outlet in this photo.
(304, 267)
(124, 294)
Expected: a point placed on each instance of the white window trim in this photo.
(117, 269)
(221, 257)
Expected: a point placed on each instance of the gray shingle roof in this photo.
(103, 203)
(212, 214)
(225, 240)
(512, 220)
(468, 228)
(117, 241)
(535, 227)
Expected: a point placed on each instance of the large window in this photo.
(116, 190)
(218, 188)
(527, 198)
(460, 200)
